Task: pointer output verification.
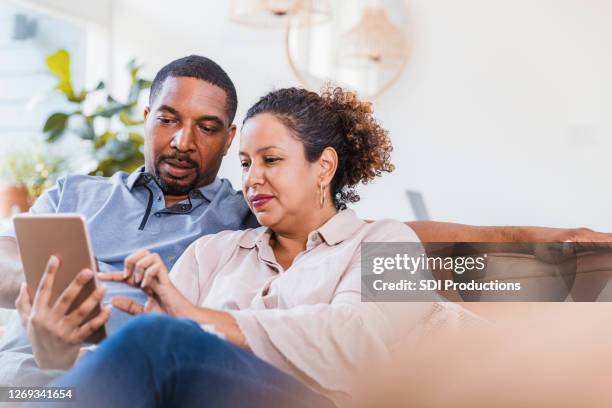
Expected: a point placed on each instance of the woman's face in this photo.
(280, 185)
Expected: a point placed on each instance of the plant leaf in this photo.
(125, 118)
(59, 65)
(78, 98)
(55, 126)
(85, 128)
(112, 109)
(133, 68)
(137, 138)
(144, 84)
(104, 138)
(138, 86)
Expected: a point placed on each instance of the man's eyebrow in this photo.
(211, 118)
(169, 109)
(203, 118)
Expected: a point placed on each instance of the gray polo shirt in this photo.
(125, 213)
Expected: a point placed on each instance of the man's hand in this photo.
(56, 335)
(146, 270)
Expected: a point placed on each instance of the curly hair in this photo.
(336, 118)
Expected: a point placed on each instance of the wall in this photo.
(501, 117)
(97, 11)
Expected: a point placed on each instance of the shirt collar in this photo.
(135, 176)
(208, 191)
(338, 228)
(252, 237)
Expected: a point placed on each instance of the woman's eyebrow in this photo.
(261, 149)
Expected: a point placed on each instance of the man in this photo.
(173, 200)
(176, 197)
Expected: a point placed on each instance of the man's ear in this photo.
(230, 138)
(328, 163)
(147, 110)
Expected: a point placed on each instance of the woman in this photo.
(286, 296)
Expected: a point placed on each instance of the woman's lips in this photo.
(259, 202)
(176, 171)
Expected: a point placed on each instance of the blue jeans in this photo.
(160, 361)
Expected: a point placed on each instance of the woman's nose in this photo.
(253, 176)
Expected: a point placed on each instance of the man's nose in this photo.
(183, 139)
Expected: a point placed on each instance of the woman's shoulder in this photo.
(389, 230)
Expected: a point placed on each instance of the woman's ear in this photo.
(328, 163)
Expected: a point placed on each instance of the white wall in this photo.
(96, 11)
(503, 115)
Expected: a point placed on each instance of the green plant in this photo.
(36, 171)
(115, 135)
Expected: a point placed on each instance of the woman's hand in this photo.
(146, 270)
(56, 335)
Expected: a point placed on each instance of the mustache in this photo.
(179, 157)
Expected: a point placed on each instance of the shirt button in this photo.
(158, 198)
(158, 215)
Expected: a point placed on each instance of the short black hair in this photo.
(196, 66)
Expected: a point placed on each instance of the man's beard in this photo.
(172, 186)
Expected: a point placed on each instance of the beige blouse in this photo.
(308, 320)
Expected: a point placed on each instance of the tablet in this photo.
(64, 235)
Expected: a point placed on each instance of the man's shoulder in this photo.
(228, 190)
(69, 191)
(234, 201)
(81, 180)
(77, 185)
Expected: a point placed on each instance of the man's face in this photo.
(187, 133)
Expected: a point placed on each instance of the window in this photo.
(27, 36)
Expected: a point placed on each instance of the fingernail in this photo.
(87, 273)
(53, 260)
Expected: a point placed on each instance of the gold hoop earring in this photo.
(321, 194)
